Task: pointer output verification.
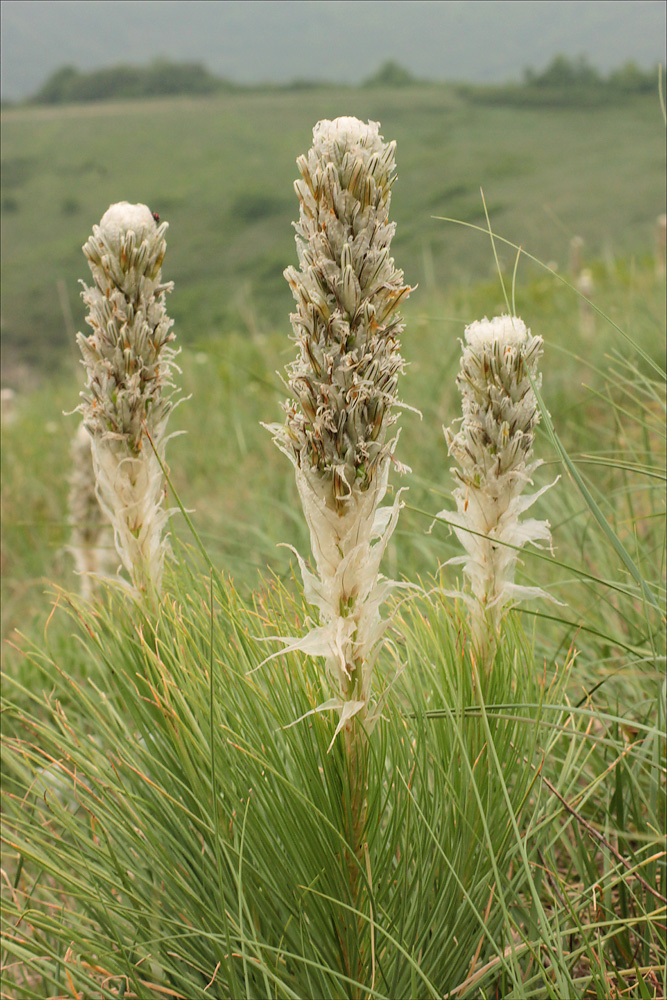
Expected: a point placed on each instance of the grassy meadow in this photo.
(220, 170)
(517, 828)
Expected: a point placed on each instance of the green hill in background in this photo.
(220, 170)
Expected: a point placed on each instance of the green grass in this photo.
(220, 170)
(183, 835)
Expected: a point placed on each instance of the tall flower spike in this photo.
(129, 359)
(337, 431)
(493, 449)
(91, 538)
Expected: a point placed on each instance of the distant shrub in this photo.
(564, 73)
(390, 74)
(630, 79)
(566, 83)
(16, 170)
(10, 204)
(450, 192)
(70, 206)
(252, 206)
(58, 87)
(160, 78)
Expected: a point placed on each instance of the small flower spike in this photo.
(129, 359)
(337, 430)
(493, 448)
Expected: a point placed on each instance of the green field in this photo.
(220, 170)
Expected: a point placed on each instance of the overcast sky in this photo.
(338, 40)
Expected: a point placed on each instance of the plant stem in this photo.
(355, 813)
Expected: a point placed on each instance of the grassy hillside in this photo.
(220, 170)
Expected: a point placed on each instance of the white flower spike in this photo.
(344, 388)
(493, 449)
(129, 394)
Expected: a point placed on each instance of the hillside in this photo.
(220, 170)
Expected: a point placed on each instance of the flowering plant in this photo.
(493, 448)
(337, 429)
(129, 394)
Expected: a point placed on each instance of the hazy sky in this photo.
(342, 40)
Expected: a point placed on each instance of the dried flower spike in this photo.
(129, 394)
(493, 449)
(337, 430)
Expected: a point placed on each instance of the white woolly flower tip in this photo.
(510, 330)
(123, 216)
(348, 130)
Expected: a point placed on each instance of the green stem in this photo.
(355, 813)
(143, 581)
(484, 631)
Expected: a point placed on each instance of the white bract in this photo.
(91, 539)
(493, 449)
(344, 393)
(129, 394)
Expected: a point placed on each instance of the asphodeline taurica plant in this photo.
(338, 424)
(129, 393)
(493, 448)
